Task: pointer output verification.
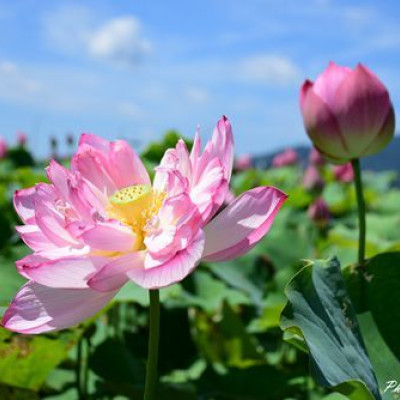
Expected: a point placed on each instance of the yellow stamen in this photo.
(135, 206)
(129, 203)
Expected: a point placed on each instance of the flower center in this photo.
(135, 206)
(129, 203)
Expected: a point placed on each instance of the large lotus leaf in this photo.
(210, 293)
(26, 361)
(380, 293)
(386, 366)
(240, 275)
(320, 309)
(338, 197)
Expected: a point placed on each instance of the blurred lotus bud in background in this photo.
(344, 173)
(312, 179)
(3, 147)
(285, 158)
(21, 138)
(319, 212)
(70, 139)
(54, 147)
(243, 162)
(347, 113)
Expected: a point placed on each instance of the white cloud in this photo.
(130, 110)
(197, 95)
(67, 28)
(15, 84)
(76, 30)
(358, 17)
(269, 69)
(119, 40)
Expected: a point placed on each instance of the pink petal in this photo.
(65, 273)
(74, 191)
(327, 84)
(24, 204)
(94, 141)
(91, 164)
(196, 149)
(385, 135)
(176, 224)
(173, 270)
(51, 222)
(113, 275)
(126, 168)
(321, 125)
(222, 145)
(59, 176)
(212, 170)
(109, 166)
(34, 237)
(210, 190)
(361, 108)
(242, 224)
(109, 237)
(37, 308)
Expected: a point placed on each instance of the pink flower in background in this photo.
(315, 157)
(347, 113)
(21, 138)
(102, 224)
(312, 179)
(3, 147)
(344, 173)
(243, 162)
(319, 212)
(287, 157)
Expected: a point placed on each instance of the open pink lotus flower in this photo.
(102, 224)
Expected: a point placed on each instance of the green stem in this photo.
(78, 370)
(151, 370)
(361, 210)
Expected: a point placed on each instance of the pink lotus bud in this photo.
(3, 147)
(347, 113)
(312, 178)
(344, 173)
(315, 157)
(21, 138)
(319, 212)
(243, 162)
(287, 157)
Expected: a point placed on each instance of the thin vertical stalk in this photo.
(78, 369)
(362, 232)
(361, 210)
(152, 360)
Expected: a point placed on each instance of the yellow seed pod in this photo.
(130, 204)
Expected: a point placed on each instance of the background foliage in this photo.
(270, 325)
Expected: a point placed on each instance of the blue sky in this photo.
(133, 69)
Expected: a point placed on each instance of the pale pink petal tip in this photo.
(38, 309)
(173, 270)
(247, 219)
